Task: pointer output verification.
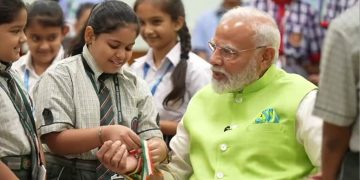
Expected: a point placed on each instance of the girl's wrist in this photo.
(100, 135)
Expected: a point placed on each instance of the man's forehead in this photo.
(233, 28)
(232, 24)
(235, 25)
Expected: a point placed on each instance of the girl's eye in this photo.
(114, 46)
(129, 48)
(16, 31)
(156, 21)
(35, 38)
(52, 38)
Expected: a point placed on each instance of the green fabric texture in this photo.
(260, 140)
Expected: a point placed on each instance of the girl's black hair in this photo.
(106, 17)
(9, 10)
(46, 13)
(175, 9)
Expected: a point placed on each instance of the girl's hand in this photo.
(158, 150)
(114, 156)
(123, 134)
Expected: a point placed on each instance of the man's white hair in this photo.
(264, 26)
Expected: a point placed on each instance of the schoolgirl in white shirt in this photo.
(173, 73)
(45, 31)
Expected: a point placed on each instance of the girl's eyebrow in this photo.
(156, 17)
(17, 26)
(120, 42)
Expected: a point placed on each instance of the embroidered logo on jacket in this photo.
(267, 116)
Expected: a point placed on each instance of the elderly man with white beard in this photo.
(255, 120)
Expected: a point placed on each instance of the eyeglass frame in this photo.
(232, 53)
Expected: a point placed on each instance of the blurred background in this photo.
(193, 8)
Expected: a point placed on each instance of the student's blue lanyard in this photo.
(155, 86)
(26, 79)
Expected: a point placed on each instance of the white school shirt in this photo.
(13, 140)
(66, 99)
(27, 73)
(198, 75)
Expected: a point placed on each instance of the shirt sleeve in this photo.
(180, 166)
(309, 128)
(148, 115)
(336, 102)
(54, 106)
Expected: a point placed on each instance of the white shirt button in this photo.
(220, 175)
(223, 147)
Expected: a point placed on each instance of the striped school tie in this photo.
(106, 110)
(26, 120)
(106, 118)
(106, 105)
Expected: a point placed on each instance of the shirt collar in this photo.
(27, 64)
(60, 55)
(173, 56)
(5, 66)
(92, 63)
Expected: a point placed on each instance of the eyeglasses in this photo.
(227, 53)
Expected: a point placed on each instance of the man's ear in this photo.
(267, 58)
(89, 35)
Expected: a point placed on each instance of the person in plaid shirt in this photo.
(301, 33)
(335, 8)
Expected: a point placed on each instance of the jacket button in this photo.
(223, 147)
(220, 175)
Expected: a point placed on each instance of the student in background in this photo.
(334, 8)
(89, 98)
(19, 145)
(206, 25)
(172, 71)
(70, 9)
(45, 30)
(82, 15)
(301, 35)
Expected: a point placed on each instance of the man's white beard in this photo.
(235, 82)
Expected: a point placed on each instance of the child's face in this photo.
(157, 27)
(111, 50)
(44, 42)
(12, 36)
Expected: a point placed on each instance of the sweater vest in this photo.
(249, 134)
